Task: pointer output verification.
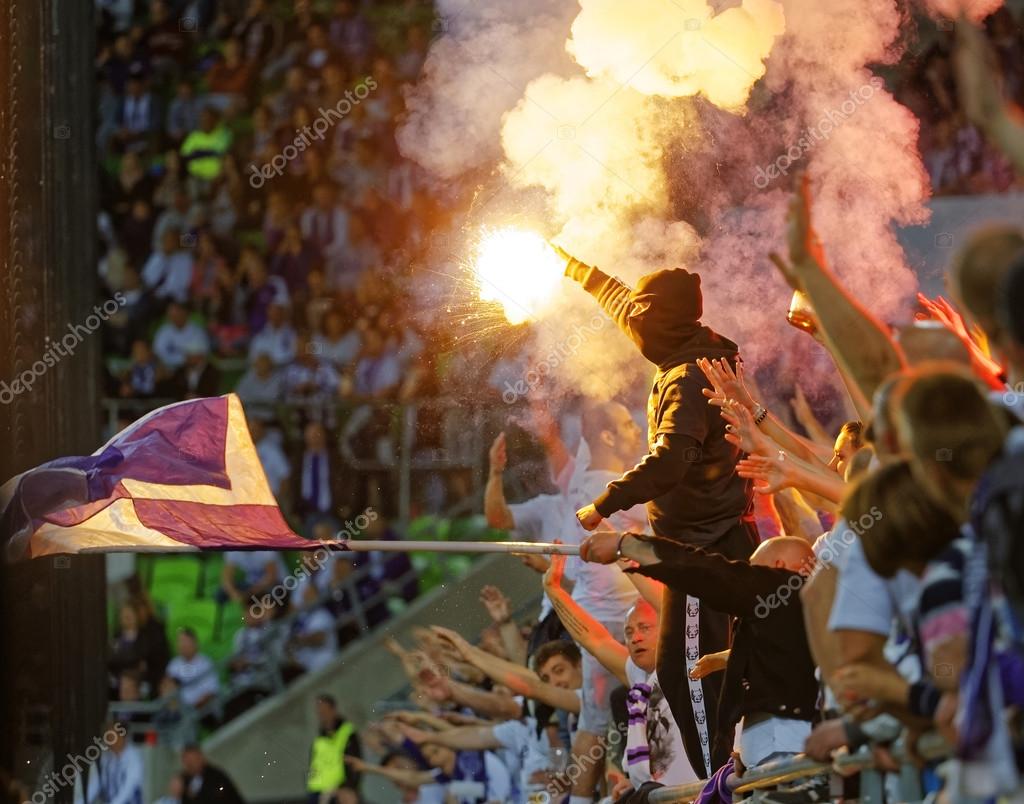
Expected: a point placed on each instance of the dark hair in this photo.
(904, 525)
(189, 632)
(557, 647)
(327, 699)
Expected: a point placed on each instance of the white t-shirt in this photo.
(497, 788)
(171, 345)
(524, 752)
(196, 677)
(667, 761)
(319, 620)
(602, 590)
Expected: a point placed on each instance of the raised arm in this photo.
(520, 680)
(611, 294)
(859, 343)
(496, 509)
(584, 629)
(466, 738)
(497, 606)
(400, 776)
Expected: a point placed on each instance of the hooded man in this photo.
(687, 480)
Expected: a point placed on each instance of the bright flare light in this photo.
(519, 270)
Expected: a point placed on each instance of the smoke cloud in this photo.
(658, 134)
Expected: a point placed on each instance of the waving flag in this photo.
(185, 477)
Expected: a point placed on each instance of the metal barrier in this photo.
(755, 780)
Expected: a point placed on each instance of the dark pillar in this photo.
(52, 678)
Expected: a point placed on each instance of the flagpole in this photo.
(403, 546)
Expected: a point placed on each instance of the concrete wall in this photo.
(266, 750)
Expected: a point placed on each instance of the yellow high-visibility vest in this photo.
(327, 760)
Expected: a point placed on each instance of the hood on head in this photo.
(666, 310)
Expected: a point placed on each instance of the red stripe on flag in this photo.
(211, 527)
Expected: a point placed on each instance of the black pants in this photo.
(688, 631)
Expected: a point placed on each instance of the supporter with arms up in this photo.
(654, 748)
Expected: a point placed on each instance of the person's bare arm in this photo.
(584, 629)
(496, 510)
(857, 341)
(497, 606)
(797, 517)
(400, 776)
(489, 704)
(738, 407)
(785, 470)
(816, 596)
(520, 680)
(803, 413)
(650, 590)
(465, 738)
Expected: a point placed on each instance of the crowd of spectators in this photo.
(959, 159)
(883, 595)
(876, 612)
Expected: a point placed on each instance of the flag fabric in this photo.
(185, 477)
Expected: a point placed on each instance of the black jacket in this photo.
(770, 667)
(688, 478)
(216, 787)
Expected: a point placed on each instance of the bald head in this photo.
(783, 552)
(611, 434)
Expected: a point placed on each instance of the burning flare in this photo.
(519, 270)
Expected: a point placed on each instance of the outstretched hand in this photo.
(498, 455)
(742, 432)
(726, 383)
(801, 238)
(455, 639)
(496, 603)
(770, 474)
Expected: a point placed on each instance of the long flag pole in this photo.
(365, 546)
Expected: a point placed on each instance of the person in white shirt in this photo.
(275, 464)
(277, 338)
(261, 387)
(611, 443)
(310, 377)
(168, 272)
(178, 336)
(119, 772)
(525, 752)
(654, 744)
(337, 346)
(194, 672)
(313, 641)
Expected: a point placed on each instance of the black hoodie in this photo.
(688, 478)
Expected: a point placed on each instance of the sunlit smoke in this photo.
(519, 270)
(677, 49)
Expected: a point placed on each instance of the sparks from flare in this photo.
(519, 270)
